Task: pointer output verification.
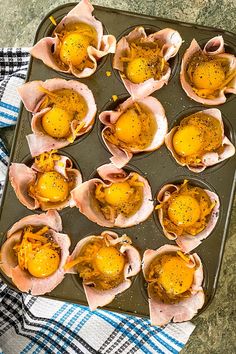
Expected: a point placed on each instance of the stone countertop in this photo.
(214, 331)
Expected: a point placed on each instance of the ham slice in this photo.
(33, 97)
(171, 41)
(208, 159)
(51, 218)
(188, 242)
(22, 176)
(83, 197)
(99, 298)
(121, 156)
(46, 48)
(9, 263)
(162, 313)
(214, 47)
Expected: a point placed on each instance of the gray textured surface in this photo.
(215, 331)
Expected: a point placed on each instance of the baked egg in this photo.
(134, 129)
(50, 185)
(208, 74)
(100, 263)
(75, 39)
(186, 211)
(171, 276)
(66, 106)
(144, 61)
(197, 135)
(37, 252)
(120, 197)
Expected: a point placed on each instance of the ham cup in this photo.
(77, 43)
(143, 60)
(208, 74)
(187, 213)
(117, 198)
(135, 126)
(47, 183)
(35, 252)
(199, 141)
(174, 284)
(62, 111)
(105, 263)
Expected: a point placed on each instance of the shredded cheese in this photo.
(31, 243)
(72, 137)
(52, 19)
(45, 161)
(115, 98)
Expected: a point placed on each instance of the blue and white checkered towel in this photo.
(39, 325)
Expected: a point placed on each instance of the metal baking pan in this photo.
(159, 167)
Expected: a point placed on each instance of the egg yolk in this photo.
(74, 49)
(139, 70)
(43, 263)
(128, 126)
(52, 186)
(110, 261)
(208, 75)
(187, 140)
(118, 193)
(184, 210)
(175, 276)
(56, 122)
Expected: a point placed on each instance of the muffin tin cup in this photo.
(158, 167)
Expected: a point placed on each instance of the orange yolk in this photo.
(184, 210)
(56, 122)
(208, 75)
(43, 263)
(74, 48)
(52, 186)
(110, 261)
(128, 127)
(139, 70)
(118, 193)
(187, 140)
(175, 276)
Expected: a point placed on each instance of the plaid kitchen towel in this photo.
(38, 325)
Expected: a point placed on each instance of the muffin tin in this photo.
(89, 152)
